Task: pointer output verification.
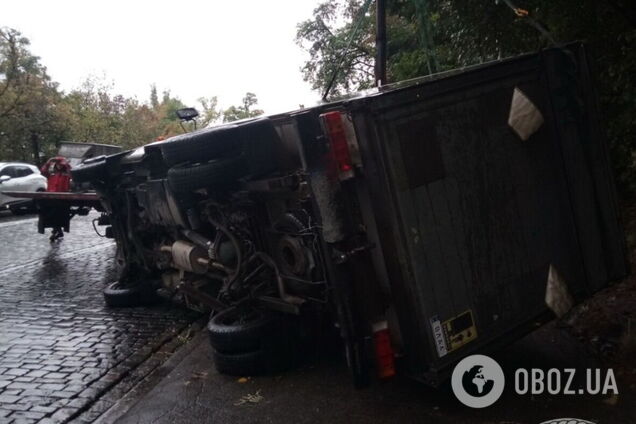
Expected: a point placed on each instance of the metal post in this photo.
(380, 43)
(35, 148)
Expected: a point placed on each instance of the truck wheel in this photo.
(118, 296)
(237, 330)
(90, 171)
(201, 145)
(190, 177)
(240, 364)
(262, 361)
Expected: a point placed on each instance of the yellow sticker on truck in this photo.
(453, 333)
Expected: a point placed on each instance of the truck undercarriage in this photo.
(214, 220)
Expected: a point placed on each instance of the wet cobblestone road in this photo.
(61, 348)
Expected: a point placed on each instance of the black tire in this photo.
(94, 170)
(237, 330)
(241, 364)
(190, 177)
(202, 145)
(258, 362)
(117, 296)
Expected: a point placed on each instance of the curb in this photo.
(124, 403)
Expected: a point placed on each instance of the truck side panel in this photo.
(478, 215)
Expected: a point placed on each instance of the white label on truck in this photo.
(438, 335)
(524, 118)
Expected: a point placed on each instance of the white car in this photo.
(15, 176)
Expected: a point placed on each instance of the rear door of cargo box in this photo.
(483, 186)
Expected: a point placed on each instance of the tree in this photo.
(326, 39)
(234, 113)
(426, 36)
(17, 67)
(35, 115)
(99, 115)
(167, 114)
(209, 112)
(154, 98)
(95, 112)
(29, 117)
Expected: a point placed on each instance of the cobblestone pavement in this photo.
(61, 348)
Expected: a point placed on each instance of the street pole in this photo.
(35, 148)
(380, 43)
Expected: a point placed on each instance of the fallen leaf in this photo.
(199, 375)
(249, 398)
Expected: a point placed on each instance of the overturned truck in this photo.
(428, 220)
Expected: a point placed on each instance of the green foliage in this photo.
(98, 115)
(209, 111)
(29, 112)
(35, 115)
(234, 113)
(425, 36)
(325, 37)
(154, 98)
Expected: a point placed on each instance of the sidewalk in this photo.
(189, 390)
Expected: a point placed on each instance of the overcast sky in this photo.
(193, 48)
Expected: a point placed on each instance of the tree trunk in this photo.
(35, 146)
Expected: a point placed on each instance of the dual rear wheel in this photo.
(251, 341)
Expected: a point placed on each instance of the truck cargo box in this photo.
(484, 186)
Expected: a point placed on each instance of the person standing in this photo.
(57, 171)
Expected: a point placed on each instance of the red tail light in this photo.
(384, 354)
(342, 141)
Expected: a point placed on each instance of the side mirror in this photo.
(4, 178)
(187, 114)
